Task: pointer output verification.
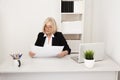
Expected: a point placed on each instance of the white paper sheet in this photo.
(47, 51)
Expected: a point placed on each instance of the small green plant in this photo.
(89, 54)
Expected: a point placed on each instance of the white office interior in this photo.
(22, 20)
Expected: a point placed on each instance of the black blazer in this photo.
(57, 40)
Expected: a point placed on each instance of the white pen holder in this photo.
(17, 63)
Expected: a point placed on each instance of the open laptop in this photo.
(98, 49)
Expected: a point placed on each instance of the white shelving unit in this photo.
(72, 23)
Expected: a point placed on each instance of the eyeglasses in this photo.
(48, 26)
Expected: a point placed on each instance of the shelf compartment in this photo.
(72, 36)
(71, 17)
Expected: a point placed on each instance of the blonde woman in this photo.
(50, 36)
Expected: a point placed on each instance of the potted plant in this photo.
(89, 58)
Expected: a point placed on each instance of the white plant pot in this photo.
(89, 63)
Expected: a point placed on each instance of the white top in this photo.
(46, 40)
(65, 64)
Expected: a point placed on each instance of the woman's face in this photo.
(48, 28)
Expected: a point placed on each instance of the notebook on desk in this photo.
(98, 49)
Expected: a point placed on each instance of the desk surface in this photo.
(65, 64)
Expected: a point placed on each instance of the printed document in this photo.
(47, 51)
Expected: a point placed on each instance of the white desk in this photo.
(58, 69)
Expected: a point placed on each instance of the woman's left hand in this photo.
(62, 54)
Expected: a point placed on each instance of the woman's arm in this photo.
(63, 42)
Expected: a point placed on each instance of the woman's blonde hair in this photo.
(53, 24)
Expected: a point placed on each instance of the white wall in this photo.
(21, 21)
(88, 22)
(112, 18)
(98, 28)
(106, 23)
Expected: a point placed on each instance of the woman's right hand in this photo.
(31, 54)
(62, 54)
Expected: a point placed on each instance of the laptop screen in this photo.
(98, 49)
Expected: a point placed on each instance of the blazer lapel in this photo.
(54, 41)
(43, 41)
